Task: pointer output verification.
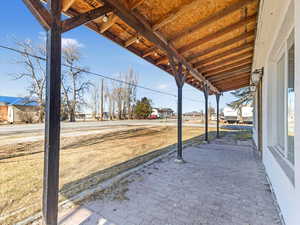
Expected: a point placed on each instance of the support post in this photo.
(206, 112)
(52, 121)
(218, 114)
(180, 79)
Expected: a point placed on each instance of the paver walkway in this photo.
(222, 183)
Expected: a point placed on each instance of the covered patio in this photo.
(222, 183)
(206, 44)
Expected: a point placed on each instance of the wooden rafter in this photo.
(218, 64)
(173, 15)
(217, 34)
(232, 79)
(66, 4)
(130, 41)
(106, 25)
(83, 18)
(234, 87)
(144, 30)
(135, 4)
(246, 66)
(223, 54)
(149, 51)
(229, 66)
(222, 45)
(229, 74)
(213, 36)
(214, 17)
(234, 82)
(40, 12)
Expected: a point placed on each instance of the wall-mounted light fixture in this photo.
(257, 75)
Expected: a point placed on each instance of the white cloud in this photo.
(70, 41)
(163, 86)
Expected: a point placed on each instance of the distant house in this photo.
(18, 109)
(162, 113)
(166, 113)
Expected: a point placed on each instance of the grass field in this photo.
(82, 159)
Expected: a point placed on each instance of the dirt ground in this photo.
(81, 158)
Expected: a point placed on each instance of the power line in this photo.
(95, 74)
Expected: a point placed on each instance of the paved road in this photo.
(33, 128)
(21, 133)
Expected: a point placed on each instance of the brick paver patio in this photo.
(222, 183)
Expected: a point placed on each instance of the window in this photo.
(280, 102)
(291, 99)
(282, 99)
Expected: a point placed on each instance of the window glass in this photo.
(291, 103)
(280, 102)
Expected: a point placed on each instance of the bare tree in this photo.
(73, 83)
(125, 94)
(34, 71)
(95, 99)
(101, 110)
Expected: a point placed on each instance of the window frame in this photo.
(282, 50)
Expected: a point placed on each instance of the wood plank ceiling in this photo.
(213, 39)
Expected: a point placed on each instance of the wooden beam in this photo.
(141, 27)
(229, 66)
(66, 4)
(40, 12)
(131, 41)
(218, 34)
(222, 45)
(174, 15)
(229, 70)
(224, 54)
(83, 18)
(210, 19)
(229, 74)
(221, 63)
(106, 25)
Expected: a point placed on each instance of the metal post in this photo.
(218, 114)
(179, 123)
(52, 120)
(180, 79)
(206, 111)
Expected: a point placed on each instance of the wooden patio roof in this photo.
(212, 39)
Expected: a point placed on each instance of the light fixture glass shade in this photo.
(255, 77)
(253, 88)
(105, 18)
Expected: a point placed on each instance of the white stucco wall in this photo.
(297, 109)
(276, 19)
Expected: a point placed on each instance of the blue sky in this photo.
(100, 55)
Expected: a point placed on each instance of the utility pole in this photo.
(102, 100)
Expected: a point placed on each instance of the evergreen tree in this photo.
(243, 97)
(143, 108)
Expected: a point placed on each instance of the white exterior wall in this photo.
(276, 19)
(297, 111)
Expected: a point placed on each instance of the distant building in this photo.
(162, 113)
(18, 109)
(166, 113)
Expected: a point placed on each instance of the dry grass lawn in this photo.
(80, 160)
